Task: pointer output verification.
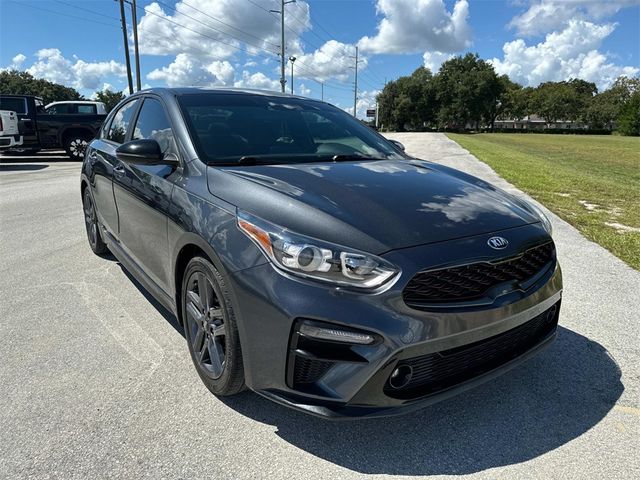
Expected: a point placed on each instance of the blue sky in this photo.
(232, 42)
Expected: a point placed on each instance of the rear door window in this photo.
(18, 105)
(87, 109)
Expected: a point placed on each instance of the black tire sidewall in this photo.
(232, 379)
(100, 247)
(67, 146)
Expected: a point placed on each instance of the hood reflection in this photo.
(469, 206)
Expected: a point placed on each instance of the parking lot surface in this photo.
(96, 380)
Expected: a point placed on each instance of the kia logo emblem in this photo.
(498, 243)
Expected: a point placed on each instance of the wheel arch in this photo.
(189, 247)
(84, 132)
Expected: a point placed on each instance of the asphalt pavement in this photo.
(96, 380)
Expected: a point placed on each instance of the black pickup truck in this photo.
(41, 130)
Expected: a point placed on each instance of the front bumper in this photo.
(269, 304)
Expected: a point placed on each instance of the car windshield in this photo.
(231, 128)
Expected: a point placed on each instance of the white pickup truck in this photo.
(9, 133)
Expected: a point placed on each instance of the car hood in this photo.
(370, 205)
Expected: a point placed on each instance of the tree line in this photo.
(466, 93)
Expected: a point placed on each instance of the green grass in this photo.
(561, 171)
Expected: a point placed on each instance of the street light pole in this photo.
(292, 59)
(126, 45)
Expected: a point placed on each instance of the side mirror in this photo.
(397, 144)
(143, 152)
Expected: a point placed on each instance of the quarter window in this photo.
(121, 121)
(153, 124)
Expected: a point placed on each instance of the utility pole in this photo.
(126, 45)
(322, 91)
(134, 20)
(283, 80)
(292, 59)
(355, 87)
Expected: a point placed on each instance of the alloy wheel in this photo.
(206, 325)
(77, 146)
(90, 220)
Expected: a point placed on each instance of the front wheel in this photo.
(75, 147)
(211, 329)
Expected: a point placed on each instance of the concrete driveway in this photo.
(96, 380)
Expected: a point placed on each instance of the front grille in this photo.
(309, 370)
(441, 370)
(470, 282)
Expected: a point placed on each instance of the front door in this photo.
(143, 196)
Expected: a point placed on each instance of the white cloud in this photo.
(433, 60)
(366, 100)
(332, 60)
(304, 91)
(412, 26)
(257, 80)
(53, 66)
(570, 53)
(544, 16)
(17, 61)
(188, 70)
(193, 29)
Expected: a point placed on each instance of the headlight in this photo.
(546, 223)
(312, 258)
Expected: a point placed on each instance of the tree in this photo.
(606, 107)
(629, 119)
(109, 98)
(566, 100)
(408, 102)
(23, 83)
(467, 90)
(517, 102)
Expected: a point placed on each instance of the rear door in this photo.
(102, 161)
(143, 195)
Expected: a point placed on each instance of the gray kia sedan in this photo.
(312, 260)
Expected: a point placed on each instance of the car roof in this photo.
(90, 102)
(20, 96)
(222, 90)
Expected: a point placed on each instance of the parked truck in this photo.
(43, 129)
(9, 133)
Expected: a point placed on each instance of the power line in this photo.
(226, 24)
(62, 14)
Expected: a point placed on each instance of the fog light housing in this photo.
(333, 334)
(401, 376)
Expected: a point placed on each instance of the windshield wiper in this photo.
(351, 157)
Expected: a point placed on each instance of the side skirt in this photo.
(152, 287)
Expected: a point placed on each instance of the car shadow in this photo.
(48, 156)
(548, 401)
(21, 167)
(169, 317)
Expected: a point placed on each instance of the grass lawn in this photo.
(592, 182)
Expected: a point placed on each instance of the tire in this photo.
(91, 223)
(75, 146)
(211, 328)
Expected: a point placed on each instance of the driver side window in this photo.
(121, 121)
(153, 124)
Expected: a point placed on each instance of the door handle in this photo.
(118, 170)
